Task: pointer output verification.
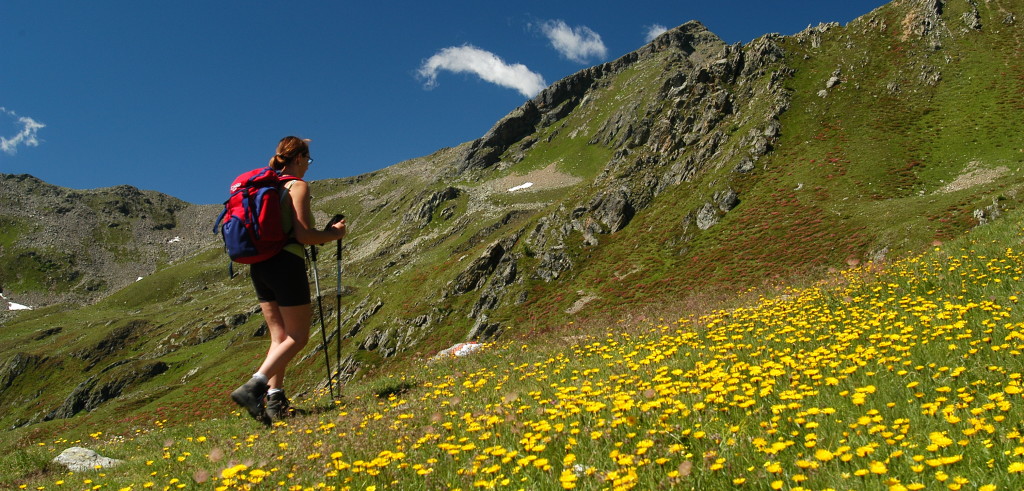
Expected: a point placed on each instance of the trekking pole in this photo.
(323, 330)
(337, 306)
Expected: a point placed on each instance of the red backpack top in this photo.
(251, 220)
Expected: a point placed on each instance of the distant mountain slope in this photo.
(678, 175)
(64, 245)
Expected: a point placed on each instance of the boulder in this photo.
(457, 351)
(78, 459)
(726, 200)
(707, 217)
(613, 209)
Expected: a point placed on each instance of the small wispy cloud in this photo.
(654, 31)
(578, 44)
(484, 64)
(26, 135)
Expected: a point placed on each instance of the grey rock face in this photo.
(103, 387)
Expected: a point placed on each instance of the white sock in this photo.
(262, 378)
(274, 391)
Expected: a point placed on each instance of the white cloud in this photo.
(484, 64)
(26, 136)
(577, 44)
(654, 31)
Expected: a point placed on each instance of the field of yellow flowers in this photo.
(907, 376)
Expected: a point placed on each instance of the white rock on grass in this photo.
(458, 351)
(78, 459)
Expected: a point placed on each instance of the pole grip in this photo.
(335, 219)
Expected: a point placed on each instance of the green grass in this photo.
(38, 269)
(11, 229)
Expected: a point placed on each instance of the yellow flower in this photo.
(877, 467)
(823, 455)
(939, 439)
(231, 472)
(1016, 468)
(567, 479)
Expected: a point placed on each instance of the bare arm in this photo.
(305, 233)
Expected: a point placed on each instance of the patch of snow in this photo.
(14, 306)
(521, 186)
(175, 239)
(138, 279)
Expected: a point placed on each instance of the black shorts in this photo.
(281, 279)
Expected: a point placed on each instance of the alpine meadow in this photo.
(788, 264)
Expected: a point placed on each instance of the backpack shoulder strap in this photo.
(286, 178)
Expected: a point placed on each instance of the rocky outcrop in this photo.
(476, 275)
(557, 101)
(116, 340)
(924, 21)
(972, 18)
(708, 87)
(103, 387)
(390, 340)
(721, 203)
(612, 209)
(424, 212)
(484, 331)
(16, 366)
(487, 150)
(361, 314)
(505, 273)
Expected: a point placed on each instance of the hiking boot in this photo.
(278, 406)
(250, 396)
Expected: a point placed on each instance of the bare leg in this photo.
(289, 333)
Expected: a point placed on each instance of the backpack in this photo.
(251, 221)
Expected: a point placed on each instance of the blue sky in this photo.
(182, 96)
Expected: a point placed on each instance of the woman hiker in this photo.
(283, 288)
